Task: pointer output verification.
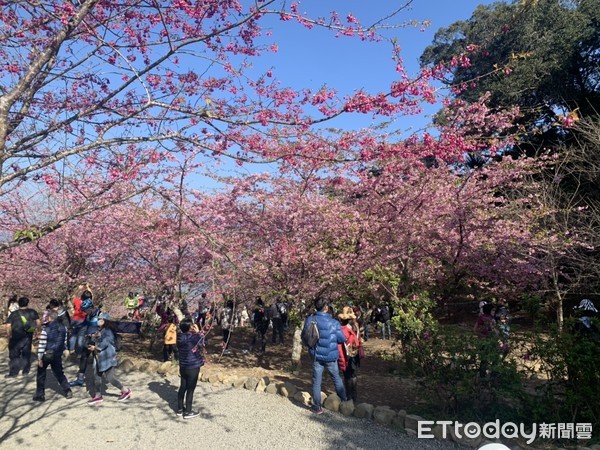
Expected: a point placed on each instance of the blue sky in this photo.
(312, 58)
(316, 57)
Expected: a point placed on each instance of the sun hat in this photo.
(346, 313)
(586, 305)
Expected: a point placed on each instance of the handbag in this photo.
(48, 356)
(361, 352)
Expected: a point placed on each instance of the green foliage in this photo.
(29, 234)
(413, 320)
(531, 304)
(295, 318)
(571, 364)
(543, 56)
(448, 364)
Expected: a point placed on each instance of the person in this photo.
(63, 314)
(277, 320)
(501, 309)
(20, 327)
(52, 343)
(485, 328)
(385, 314)
(349, 358)
(88, 328)
(585, 312)
(170, 345)
(244, 317)
(368, 318)
(131, 302)
(504, 333)
(76, 330)
(13, 305)
(260, 322)
(202, 310)
(102, 347)
(227, 322)
(325, 354)
(190, 344)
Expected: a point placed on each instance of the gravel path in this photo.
(230, 418)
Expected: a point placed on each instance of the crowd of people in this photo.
(92, 338)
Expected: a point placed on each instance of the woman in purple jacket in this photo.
(190, 343)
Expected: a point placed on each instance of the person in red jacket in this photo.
(349, 360)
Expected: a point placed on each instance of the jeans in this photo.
(76, 336)
(334, 371)
(385, 325)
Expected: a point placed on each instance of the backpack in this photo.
(282, 308)
(118, 342)
(28, 327)
(310, 334)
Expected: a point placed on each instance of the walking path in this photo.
(230, 418)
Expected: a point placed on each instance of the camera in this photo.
(91, 339)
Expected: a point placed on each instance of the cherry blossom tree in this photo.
(94, 95)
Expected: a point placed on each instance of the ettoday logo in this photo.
(508, 430)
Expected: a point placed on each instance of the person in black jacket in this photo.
(52, 343)
(190, 343)
(20, 326)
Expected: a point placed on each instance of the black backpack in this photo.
(118, 342)
(310, 333)
(282, 308)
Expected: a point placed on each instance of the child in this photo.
(170, 347)
(105, 361)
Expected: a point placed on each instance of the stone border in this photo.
(383, 415)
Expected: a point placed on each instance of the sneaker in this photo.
(10, 375)
(227, 352)
(76, 383)
(69, 394)
(95, 400)
(124, 395)
(317, 412)
(39, 398)
(245, 352)
(180, 412)
(189, 415)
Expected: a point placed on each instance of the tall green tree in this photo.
(542, 55)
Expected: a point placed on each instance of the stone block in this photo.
(127, 366)
(411, 422)
(303, 397)
(251, 383)
(287, 389)
(364, 411)
(272, 388)
(239, 382)
(332, 403)
(164, 368)
(347, 408)
(383, 415)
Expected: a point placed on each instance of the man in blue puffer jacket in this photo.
(325, 353)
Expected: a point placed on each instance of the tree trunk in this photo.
(296, 348)
(558, 303)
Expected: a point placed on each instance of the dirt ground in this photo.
(378, 380)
